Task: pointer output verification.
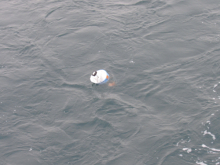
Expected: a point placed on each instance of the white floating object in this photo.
(99, 77)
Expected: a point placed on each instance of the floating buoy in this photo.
(99, 77)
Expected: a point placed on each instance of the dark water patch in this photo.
(162, 56)
(114, 107)
(143, 2)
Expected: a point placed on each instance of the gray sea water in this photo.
(163, 55)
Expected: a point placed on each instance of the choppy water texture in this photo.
(163, 55)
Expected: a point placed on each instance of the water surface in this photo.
(163, 56)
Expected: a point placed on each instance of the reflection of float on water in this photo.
(111, 84)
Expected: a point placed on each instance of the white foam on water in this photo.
(208, 122)
(188, 150)
(183, 141)
(201, 163)
(209, 133)
(214, 87)
(213, 149)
